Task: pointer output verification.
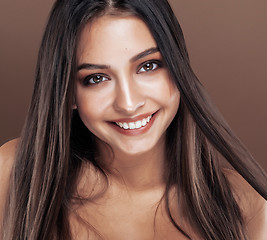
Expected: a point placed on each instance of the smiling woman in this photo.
(132, 85)
(121, 141)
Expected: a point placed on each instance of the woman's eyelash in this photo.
(149, 66)
(94, 79)
(97, 78)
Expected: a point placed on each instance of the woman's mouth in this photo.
(135, 126)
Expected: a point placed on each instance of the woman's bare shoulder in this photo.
(7, 154)
(252, 205)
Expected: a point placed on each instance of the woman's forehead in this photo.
(114, 36)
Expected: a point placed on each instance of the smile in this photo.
(134, 125)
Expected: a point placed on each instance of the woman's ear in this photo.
(74, 105)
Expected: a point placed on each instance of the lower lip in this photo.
(137, 131)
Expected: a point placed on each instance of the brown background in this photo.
(226, 42)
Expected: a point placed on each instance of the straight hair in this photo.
(55, 143)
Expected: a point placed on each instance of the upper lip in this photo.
(133, 119)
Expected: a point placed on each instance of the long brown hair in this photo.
(54, 141)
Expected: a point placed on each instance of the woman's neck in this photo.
(138, 172)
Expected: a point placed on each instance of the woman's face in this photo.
(124, 94)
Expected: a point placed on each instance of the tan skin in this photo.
(128, 91)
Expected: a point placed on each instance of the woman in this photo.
(121, 141)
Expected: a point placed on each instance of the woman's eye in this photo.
(148, 67)
(94, 79)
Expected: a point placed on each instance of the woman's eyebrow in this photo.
(90, 66)
(142, 54)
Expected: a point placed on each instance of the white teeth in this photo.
(138, 124)
(131, 125)
(143, 122)
(134, 125)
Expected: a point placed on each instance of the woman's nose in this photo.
(129, 97)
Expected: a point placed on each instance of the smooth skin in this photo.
(121, 77)
(131, 85)
(127, 90)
